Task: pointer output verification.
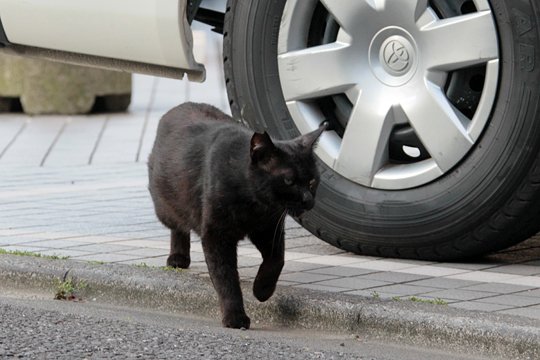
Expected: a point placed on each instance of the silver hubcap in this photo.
(397, 65)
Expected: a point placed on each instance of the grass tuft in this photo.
(29, 253)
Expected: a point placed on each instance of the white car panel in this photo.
(144, 31)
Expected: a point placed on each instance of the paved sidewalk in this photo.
(76, 187)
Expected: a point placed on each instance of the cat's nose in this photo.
(307, 200)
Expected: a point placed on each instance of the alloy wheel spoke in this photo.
(439, 126)
(364, 147)
(461, 41)
(315, 72)
(347, 13)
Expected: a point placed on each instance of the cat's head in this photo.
(285, 173)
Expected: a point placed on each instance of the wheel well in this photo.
(209, 12)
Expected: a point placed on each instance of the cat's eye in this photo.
(288, 181)
(312, 184)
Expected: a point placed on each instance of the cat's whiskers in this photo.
(278, 226)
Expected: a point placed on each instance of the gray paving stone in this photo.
(304, 278)
(104, 248)
(479, 306)
(353, 283)
(444, 283)
(512, 300)
(459, 294)
(317, 249)
(467, 266)
(57, 244)
(248, 272)
(341, 271)
(295, 266)
(145, 252)
(517, 269)
(393, 277)
(109, 257)
(244, 261)
(404, 289)
(321, 287)
(530, 292)
(499, 288)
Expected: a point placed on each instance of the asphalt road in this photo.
(32, 326)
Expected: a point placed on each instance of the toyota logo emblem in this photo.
(396, 56)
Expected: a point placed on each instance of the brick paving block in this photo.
(319, 249)
(16, 240)
(295, 256)
(332, 260)
(319, 287)
(500, 288)
(353, 283)
(115, 257)
(56, 244)
(11, 127)
(483, 276)
(431, 270)
(382, 265)
(459, 294)
(303, 277)
(517, 269)
(34, 142)
(77, 142)
(467, 266)
(248, 272)
(404, 289)
(342, 271)
(294, 266)
(104, 248)
(479, 306)
(534, 292)
(244, 261)
(512, 300)
(532, 281)
(145, 252)
(393, 277)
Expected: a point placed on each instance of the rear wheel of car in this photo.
(434, 151)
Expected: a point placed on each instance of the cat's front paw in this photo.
(178, 261)
(236, 321)
(263, 291)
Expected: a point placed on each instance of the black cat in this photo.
(210, 175)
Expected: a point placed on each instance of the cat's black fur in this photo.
(217, 178)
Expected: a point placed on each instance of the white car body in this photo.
(149, 36)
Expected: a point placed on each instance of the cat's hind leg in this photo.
(180, 241)
(180, 244)
(271, 243)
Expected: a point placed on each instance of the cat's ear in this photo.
(261, 148)
(310, 139)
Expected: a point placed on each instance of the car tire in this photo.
(487, 201)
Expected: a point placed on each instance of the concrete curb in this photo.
(426, 325)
